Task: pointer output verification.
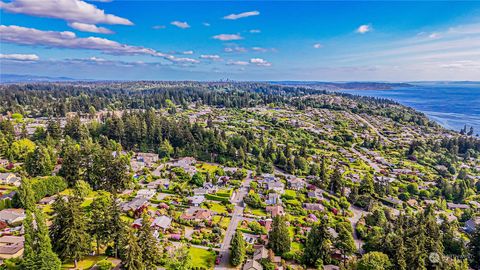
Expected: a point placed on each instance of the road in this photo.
(237, 216)
(357, 214)
(372, 127)
(366, 159)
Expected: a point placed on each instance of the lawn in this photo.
(202, 258)
(296, 247)
(86, 263)
(257, 212)
(217, 207)
(205, 167)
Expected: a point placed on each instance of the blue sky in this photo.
(241, 40)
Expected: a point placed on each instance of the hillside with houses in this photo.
(164, 175)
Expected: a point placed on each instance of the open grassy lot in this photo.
(202, 258)
(86, 263)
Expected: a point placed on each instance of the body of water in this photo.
(452, 105)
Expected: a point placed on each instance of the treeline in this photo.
(56, 99)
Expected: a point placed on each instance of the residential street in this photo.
(237, 216)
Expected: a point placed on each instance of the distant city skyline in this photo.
(279, 40)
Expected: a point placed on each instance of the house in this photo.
(10, 179)
(197, 215)
(196, 200)
(317, 194)
(471, 224)
(330, 267)
(47, 200)
(276, 186)
(260, 253)
(147, 158)
(252, 265)
(12, 216)
(313, 206)
(11, 247)
(250, 238)
(393, 201)
(146, 193)
(160, 183)
(273, 198)
(296, 184)
(275, 210)
(162, 222)
(136, 165)
(135, 204)
(457, 206)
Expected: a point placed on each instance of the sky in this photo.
(241, 40)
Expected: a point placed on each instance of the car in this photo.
(219, 259)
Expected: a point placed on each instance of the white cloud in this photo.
(236, 49)
(156, 27)
(206, 24)
(179, 24)
(238, 63)
(260, 62)
(241, 15)
(227, 37)
(19, 57)
(85, 27)
(68, 10)
(255, 31)
(317, 45)
(364, 28)
(187, 52)
(67, 39)
(212, 57)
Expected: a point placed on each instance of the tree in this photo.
(238, 249)
(133, 253)
(374, 261)
(40, 162)
(165, 150)
(151, 252)
(180, 259)
(71, 161)
(344, 241)
(198, 179)
(474, 248)
(279, 237)
(38, 252)
(336, 181)
(317, 246)
(101, 218)
(367, 185)
(20, 149)
(69, 230)
(82, 189)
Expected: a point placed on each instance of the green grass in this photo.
(205, 167)
(257, 212)
(217, 207)
(202, 258)
(296, 247)
(86, 263)
(291, 194)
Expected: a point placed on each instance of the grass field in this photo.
(205, 167)
(202, 258)
(86, 263)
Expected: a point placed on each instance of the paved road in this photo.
(366, 159)
(237, 216)
(372, 127)
(357, 214)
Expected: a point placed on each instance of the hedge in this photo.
(217, 198)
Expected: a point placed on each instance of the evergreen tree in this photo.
(40, 162)
(474, 248)
(133, 253)
(237, 254)
(317, 246)
(71, 162)
(146, 240)
(336, 181)
(69, 230)
(374, 261)
(345, 242)
(279, 237)
(367, 185)
(101, 219)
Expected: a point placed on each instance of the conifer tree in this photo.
(238, 249)
(149, 243)
(279, 237)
